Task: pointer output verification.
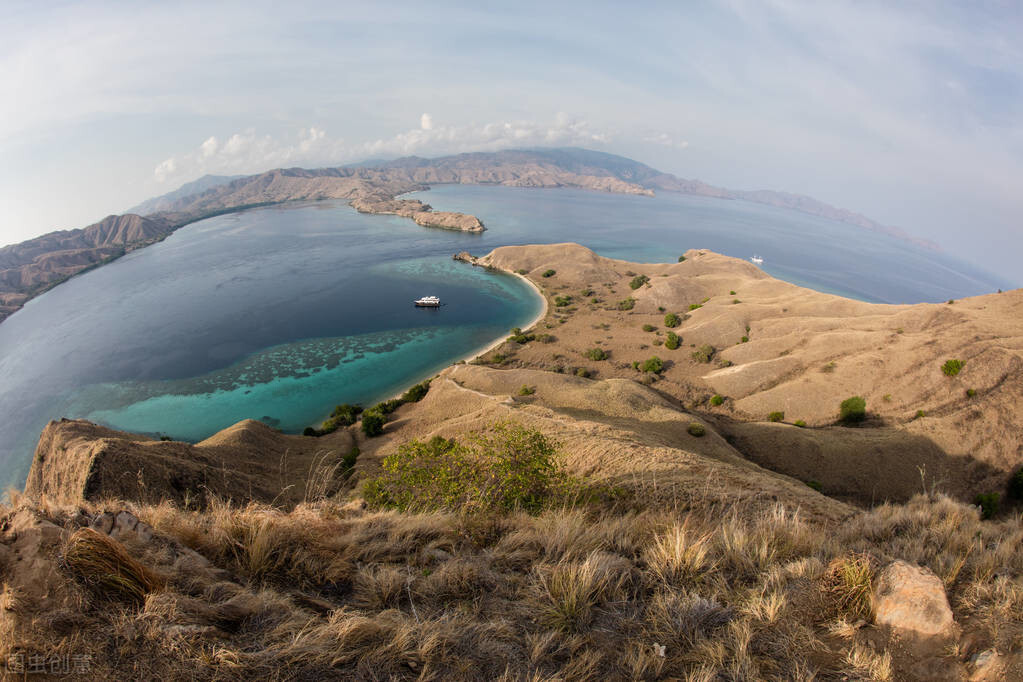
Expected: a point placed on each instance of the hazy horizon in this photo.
(908, 115)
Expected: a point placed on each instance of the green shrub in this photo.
(562, 301)
(1015, 488)
(596, 354)
(506, 468)
(348, 459)
(970, 392)
(343, 415)
(704, 353)
(627, 304)
(696, 429)
(681, 258)
(546, 338)
(744, 339)
(694, 306)
(522, 271)
(310, 431)
(388, 406)
(586, 292)
(635, 365)
(660, 308)
(527, 390)
(952, 367)
(816, 485)
(638, 281)
(519, 337)
(671, 320)
(416, 393)
(373, 423)
(920, 414)
(549, 273)
(800, 423)
(649, 327)
(672, 341)
(653, 364)
(717, 400)
(852, 410)
(988, 503)
(736, 301)
(776, 416)
(582, 372)
(731, 293)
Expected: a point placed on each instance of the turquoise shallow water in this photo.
(280, 313)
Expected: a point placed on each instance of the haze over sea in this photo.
(279, 313)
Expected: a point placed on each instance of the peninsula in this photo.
(29, 268)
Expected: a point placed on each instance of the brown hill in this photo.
(804, 353)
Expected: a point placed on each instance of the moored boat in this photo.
(427, 302)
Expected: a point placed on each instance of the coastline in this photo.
(473, 355)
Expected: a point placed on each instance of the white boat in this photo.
(428, 302)
(757, 259)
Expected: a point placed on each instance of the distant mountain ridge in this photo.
(561, 167)
(31, 267)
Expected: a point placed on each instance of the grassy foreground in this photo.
(330, 590)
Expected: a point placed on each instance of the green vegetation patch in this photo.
(776, 417)
(952, 367)
(988, 503)
(638, 281)
(596, 354)
(852, 410)
(549, 273)
(671, 320)
(505, 468)
(562, 301)
(717, 400)
(627, 304)
(652, 365)
(696, 429)
(704, 353)
(672, 341)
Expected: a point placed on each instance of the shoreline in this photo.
(473, 355)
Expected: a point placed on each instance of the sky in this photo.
(908, 112)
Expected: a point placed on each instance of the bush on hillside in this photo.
(627, 304)
(416, 393)
(638, 281)
(549, 273)
(988, 503)
(776, 416)
(373, 423)
(852, 410)
(505, 468)
(681, 258)
(671, 320)
(717, 400)
(1015, 489)
(562, 301)
(596, 354)
(704, 353)
(649, 327)
(696, 429)
(952, 367)
(672, 341)
(653, 365)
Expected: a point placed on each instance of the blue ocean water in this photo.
(279, 313)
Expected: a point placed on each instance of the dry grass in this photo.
(325, 591)
(106, 568)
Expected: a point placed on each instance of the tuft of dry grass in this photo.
(107, 569)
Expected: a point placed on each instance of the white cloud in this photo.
(666, 140)
(250, 152)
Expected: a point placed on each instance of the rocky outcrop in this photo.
(911, 601)
(78, 460)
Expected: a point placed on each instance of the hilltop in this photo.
(696, 538)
